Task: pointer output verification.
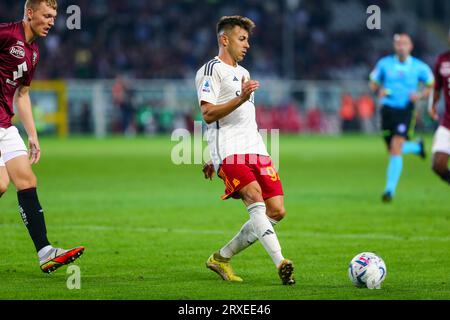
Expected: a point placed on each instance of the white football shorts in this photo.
(441, 141)
(11, 144)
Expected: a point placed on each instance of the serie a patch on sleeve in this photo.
(206, 86)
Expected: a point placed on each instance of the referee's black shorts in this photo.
(397, 122)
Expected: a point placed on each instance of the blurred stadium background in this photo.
(130, 68)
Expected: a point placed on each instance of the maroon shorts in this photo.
(237, 171)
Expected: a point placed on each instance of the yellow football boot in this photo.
(222, 267)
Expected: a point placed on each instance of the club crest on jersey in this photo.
(34, 58)
(206, 86)
(17, 52)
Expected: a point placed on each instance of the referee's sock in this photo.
(394, 172)
(411, 147)
(33, 217)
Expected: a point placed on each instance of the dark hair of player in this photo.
(227, 23)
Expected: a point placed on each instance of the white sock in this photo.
(242, 240)
(44, 252)
(264, 231)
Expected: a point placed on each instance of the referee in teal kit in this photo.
(396, 80)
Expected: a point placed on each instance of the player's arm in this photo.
(432, 110)
(376, 79)
(374, 86)
(214, 112)
(432, 106)
(427, 78)
(378, 89)
(23, 103)
(423, 94)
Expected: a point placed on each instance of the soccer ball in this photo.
(367, 270)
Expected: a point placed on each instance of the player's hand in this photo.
(414, 97)
(383, 93)
(208, 170)
(433, 113)
(248, 87)
(34, 152)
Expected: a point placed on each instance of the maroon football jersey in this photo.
(18, 61)
(442, 81)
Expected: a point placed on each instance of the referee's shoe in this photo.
(386, 197)
(422, 152)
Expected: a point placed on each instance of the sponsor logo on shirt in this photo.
(17, 52)
(235, 78)
(206, 86)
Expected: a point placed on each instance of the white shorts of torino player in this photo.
(441, 141)
(11, 144)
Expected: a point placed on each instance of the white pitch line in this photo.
(373, 236)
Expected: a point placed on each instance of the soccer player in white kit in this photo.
(238, 154)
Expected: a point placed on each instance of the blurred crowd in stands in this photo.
(172, 38)
(356, 113)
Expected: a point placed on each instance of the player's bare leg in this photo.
(440, 166)
(4, 179)
(275, 208)
(22, 176)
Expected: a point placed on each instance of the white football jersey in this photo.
(236, 133)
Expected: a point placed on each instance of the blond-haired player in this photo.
(19, 56)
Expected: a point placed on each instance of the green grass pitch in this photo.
(149, 226)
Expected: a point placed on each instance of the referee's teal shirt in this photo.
(400, 79)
